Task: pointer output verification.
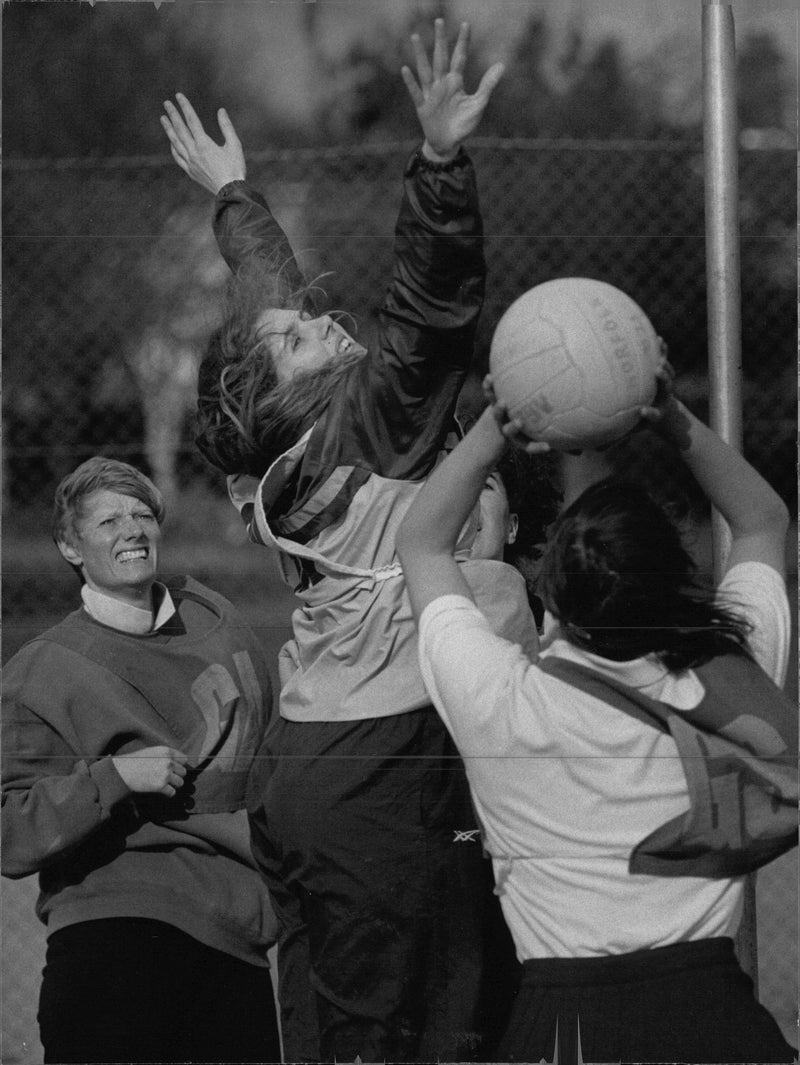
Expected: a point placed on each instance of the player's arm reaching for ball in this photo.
(756, 515)
(427, 537)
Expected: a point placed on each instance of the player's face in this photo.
(497, 526)
(298, 343)
(115, 542)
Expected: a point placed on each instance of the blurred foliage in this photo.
(553, 87)
(88, 79)
(764, 83)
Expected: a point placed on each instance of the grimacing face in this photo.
(298, 343)
(115, 542)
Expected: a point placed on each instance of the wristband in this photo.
(419, 161)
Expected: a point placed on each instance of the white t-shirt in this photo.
(565, 785)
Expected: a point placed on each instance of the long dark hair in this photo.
(531, 484)
(245, 418)
(617, 576)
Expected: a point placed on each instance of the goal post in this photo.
(723, 287)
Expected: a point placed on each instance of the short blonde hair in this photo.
(94, 475)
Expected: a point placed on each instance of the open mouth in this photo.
(135, 554)
(345, 345)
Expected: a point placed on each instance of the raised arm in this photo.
(428, 534)
(428, 320)
(756, 515)
(437, 286)
(447, 114)
(243, 223)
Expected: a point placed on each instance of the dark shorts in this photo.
(689, 1002)
(392, 944)
(135, 990)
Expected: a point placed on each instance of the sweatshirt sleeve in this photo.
(429, 317)
(396, 412)
(246, 229)
(52, 799)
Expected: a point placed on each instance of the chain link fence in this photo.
(113, 284)
(112, 280)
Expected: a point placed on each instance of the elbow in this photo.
(782, 516)
(772, 517)
(23, 852)
(18, 862)
(766, 522)
(14, 871)
(415, 538)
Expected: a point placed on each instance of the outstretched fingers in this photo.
(460, 50)
(424, 72)
(511, 428)
(184, 130)
(514, 431)
(190, 116)
(174, 126)
(439, 49)
(229, 134)
(175, 145)
(417, 96)
(489, 82)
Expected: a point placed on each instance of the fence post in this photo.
(723, 273)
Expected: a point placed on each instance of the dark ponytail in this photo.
(617, 576)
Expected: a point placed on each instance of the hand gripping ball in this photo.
(574, 359)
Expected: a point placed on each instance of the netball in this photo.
(574, 359)
(356, 740)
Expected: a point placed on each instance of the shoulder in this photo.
(187, 589)
(202, 601)
(459, 644)
(451, 610)
(52, 654)
(757, 592)
(755, 579)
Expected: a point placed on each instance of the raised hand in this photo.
(209, 164)
(158, 770)
(664, 397)
(511, 428)
(667, 415)
(446, 112)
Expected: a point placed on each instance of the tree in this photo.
(89, 80)
(600, 103)
(367, 98)
(762, 83)
(523, 104)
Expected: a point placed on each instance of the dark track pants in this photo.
(392, 945)
(689, 1002)
(136, 990)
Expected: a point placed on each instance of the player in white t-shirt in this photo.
(613, 776)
